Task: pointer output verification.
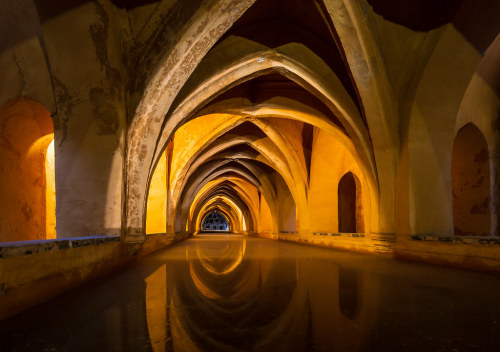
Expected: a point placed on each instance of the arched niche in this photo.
(27, 181)
(470, 171)
(350, 209)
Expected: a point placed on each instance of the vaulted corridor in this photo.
(249, 174)
(233, 293)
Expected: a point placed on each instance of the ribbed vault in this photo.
(258, 120)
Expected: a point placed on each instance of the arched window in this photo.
(350, 214)
(470, 171)
(215, 221)
(27, 183)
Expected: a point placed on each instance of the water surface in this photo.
(234, 293)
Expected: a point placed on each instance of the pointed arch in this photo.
(470, 173)
(350, 206)
(165, 81)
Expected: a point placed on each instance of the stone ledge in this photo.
(17, 249)
(383, 237)
(167, 235)
(495, 241)
(336, 234)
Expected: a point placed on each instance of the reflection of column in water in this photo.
(156, 308)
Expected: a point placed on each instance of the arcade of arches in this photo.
(361, 125)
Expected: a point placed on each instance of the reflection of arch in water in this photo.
(215, 222)
(245, 297)
(297, 288)
(214, 261)
(232, 254)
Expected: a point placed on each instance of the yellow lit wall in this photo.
(192, 136)
(266, 220)
(50, 192)
(329, 162)
(287, 210)
(25, 133)
(156, 218)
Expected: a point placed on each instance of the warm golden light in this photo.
(156, 217)
(50, 191)
(27, 173)
(44, 148)
(156, 308)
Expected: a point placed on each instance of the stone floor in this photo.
(233, 293)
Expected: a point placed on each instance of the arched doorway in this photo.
(470, 171)
(350, 213)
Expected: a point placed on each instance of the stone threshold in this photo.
(20, 248)
(458, 239)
